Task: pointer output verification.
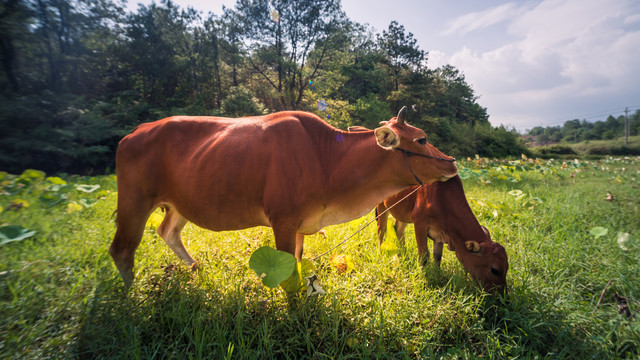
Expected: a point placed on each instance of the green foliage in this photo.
(82, 74)
(574, 131)
(61, 296)
(554, 150)
(241, 102)
(10, 233)
(49, 132)
(370, 111)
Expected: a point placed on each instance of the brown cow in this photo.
(289, 170)
(440, 211)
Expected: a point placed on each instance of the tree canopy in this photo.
(77, 75)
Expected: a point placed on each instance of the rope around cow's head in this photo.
(408, 153)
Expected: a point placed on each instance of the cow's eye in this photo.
(495, 271)
(422, 141)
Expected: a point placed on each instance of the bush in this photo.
(56, 133)
(241, 102)
(613, 150)
(555, 150)
(369, 111)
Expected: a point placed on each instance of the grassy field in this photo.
(571, 230)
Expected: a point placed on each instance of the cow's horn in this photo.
(401, 115)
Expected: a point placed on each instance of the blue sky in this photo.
(531, 63)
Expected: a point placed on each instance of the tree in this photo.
(401, 50)
(148, 57)
(281, 35)
(14, 16)
(455, 99)
(181, 31)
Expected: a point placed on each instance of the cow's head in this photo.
(431, 164)
(487, 263)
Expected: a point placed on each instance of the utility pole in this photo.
(626, 127)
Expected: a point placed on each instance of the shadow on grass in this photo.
(520, 324)
(527, 321)
(176, 318)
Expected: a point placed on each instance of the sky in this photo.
(531, 63)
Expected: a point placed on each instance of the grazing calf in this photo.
(440, 211)
(289, 170)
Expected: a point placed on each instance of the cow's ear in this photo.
(386, 138)
(472, 246)
(486, 231)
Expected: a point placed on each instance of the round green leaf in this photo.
(272, 266)
(9, 233)
(598, 231)
(33, 174)
(87, 188)
(515, 192)
(56, 180)
(88, 202)
(52, 199)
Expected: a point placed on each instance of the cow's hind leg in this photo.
(422, 242)
(381, 222)
(400, 227)
(131, 219)
(170, 230)
(437, 252)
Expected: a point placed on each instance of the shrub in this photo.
(613, 150)
(241, 102)
(555, 150)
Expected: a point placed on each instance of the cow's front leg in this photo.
(299, 246)
(288, 239)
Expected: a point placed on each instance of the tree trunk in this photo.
(8, 58)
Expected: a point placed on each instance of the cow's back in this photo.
(216, 171)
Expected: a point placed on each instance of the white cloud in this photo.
(481, 19)
(563, 50)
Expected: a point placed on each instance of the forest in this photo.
(77, 75)
(577, 130)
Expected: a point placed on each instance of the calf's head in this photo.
(431, 164)
(487, 263)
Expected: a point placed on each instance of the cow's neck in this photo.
(460, 223)
(364, 173)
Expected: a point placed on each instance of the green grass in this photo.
(61, 297)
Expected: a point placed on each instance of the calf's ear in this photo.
(486, 231)
(472, 246)
(386, 138)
